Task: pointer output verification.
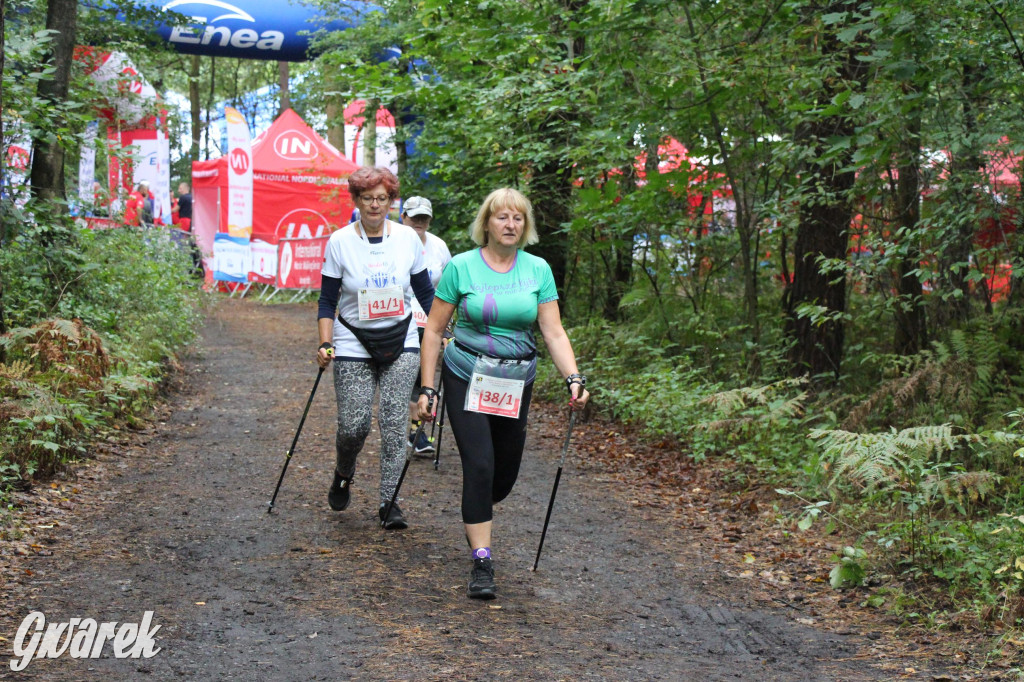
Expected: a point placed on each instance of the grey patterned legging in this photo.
(355, 383)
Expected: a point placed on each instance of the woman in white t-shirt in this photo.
(417, 212)
(372, 269)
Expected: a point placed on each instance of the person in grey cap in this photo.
(417, 212)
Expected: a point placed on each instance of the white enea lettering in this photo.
(270, 40)
(222, 31)
(243, 38)
(82, 638)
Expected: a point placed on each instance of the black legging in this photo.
(491, 449)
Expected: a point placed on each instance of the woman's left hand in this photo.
(578, 396)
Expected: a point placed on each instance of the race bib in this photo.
(496, 386)
(418, 315)
(377, 304)
(494, 395)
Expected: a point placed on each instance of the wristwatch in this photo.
(575, 379)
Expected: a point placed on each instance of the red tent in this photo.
(300, 189)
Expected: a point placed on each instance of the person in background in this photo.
(100, 201)
(372, 268)
(133, 206)
(184, 221)
(148, 204)
(417, 212)
(500, 291)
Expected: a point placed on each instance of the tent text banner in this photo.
(300, 262)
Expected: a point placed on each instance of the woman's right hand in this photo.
(424, 409)
(324, 355)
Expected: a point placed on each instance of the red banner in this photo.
(299, 262)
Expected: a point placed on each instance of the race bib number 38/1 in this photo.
(376, 304)
(495, 395)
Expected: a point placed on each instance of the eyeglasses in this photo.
(383, 201)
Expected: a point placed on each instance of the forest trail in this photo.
(178, 525)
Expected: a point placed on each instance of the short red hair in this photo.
(367, 178)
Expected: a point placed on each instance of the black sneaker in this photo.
(481, 580)
(395, 520)
(338, 495)
(423, 444)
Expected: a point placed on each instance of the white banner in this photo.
(162, 191)
(87, 166)
(239, 175)
(231, 258)
(264, 261)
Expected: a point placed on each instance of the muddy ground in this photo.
(629, 587)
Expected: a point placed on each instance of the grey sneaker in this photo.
(481, 580)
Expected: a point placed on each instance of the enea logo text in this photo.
(295, 145)
(239, 161)
(209, 12)
(302, 223)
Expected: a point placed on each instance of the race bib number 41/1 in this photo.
(495, 395)
(376, 304)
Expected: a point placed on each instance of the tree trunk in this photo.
(552, 207)
(370, 132)
(3, 179)
(621, 253)
(824, 218)
(47, 178)
(964, 179)
(282, 82)
(209, 103)
(552, 184)
(911, 333)
(335, 123)
(746, 226)
(196, 107)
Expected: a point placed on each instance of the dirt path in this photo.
(179, 526)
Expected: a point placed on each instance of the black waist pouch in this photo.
(383, 345)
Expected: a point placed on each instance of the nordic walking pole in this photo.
(401, 477)
(439, 423)
(554, 489)
(288, 455)
(440, 432)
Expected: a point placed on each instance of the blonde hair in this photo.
(506, 197)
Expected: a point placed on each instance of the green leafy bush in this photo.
(128, 307)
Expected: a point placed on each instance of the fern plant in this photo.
(884, 461)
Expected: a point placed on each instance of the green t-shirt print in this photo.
(497, 310)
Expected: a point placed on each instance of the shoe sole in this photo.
(487, 593)
(396, 525)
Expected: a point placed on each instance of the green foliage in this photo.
(848, 571)
(939, 513)
(129, 309)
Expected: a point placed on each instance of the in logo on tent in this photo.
(294, 145)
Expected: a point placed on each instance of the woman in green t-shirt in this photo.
(500, 291)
